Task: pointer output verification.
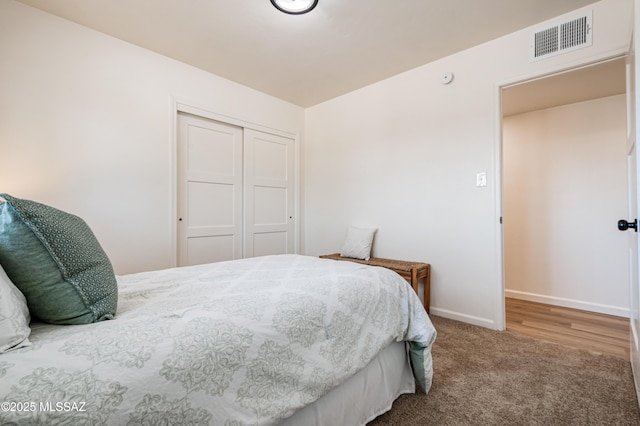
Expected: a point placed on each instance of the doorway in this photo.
(563, 188)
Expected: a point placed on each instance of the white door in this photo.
(209, 191)
(269, 194)
(632, 109)
(634, 305)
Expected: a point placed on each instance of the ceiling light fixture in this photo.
(294, 7)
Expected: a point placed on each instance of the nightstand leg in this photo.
(427, 288)
(414, 280)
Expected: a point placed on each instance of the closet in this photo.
(235, 191)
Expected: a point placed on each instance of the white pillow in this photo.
(358, 243)
(14, 316)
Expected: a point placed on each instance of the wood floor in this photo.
(580, 329)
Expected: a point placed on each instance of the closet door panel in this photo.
(209, 191)
(210, 205)
(209, 249)
(270, 205)
(266, 243)
(268, 194)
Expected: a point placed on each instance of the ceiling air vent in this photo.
(562, 37)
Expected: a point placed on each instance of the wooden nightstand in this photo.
(412, 271)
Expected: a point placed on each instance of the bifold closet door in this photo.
(210, 191)
(269, 194)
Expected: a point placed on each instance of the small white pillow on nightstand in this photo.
(358, 243)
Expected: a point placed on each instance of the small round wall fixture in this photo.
(295, 7)
(447, 77)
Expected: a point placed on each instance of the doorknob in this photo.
(623, 225)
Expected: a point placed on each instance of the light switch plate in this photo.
(481, 179)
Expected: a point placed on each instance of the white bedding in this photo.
(363, 396)
(246, 342)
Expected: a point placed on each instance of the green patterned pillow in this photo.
(56, 262)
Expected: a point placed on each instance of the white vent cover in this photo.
(562, 37)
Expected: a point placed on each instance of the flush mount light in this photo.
(294, 7)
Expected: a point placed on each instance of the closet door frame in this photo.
(180, 106)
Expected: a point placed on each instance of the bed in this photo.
(285, 339)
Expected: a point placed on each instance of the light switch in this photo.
(481, 179)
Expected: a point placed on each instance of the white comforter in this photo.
(246, 342)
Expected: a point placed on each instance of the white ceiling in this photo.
(342, 45)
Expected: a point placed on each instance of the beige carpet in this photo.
(485, 377)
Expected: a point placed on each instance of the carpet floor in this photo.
(486, 377)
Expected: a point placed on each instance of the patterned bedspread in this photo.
(246, 342)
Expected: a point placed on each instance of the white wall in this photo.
(86, 125)
(565, 187)
(402, 155)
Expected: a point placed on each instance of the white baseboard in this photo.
(568, 303)
(469, 319)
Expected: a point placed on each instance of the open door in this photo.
(632, 109)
